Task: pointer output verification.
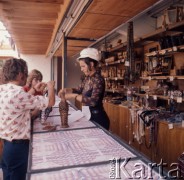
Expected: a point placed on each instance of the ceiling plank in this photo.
(104, 22)
(78, 43)
(119, 7)
(24, 13)
(86, 33)
(29, 26)
(45, 1)
(29, 6)
(28, 21)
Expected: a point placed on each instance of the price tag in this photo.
(127, 63)
(171, 78)
(154, 53)
(155, 97)
(179, 99)
(147, 96)
(106, 64)
(162, 51)
(113, 91)
(170, 126)
(174, 48)
(149, 78)
(116, 78)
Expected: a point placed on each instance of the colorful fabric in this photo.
(15, 111)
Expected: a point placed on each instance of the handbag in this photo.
(148, 116)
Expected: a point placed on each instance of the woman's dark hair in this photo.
(88, 60)
(12, 68)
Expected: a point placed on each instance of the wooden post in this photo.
(64, 62)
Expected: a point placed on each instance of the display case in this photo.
(82, 153)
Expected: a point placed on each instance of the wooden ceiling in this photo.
(101, 17)
(33, 24)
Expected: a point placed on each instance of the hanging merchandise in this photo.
(130, 61)
(181, 164)
(63, 110)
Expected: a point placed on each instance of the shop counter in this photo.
(83, 151)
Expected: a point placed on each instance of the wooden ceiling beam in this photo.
(29, 14)
(80, 39)
(29, 21)
(44, 1)
(29, 31)
(78, 43)
(27, 5)
(28, 25)
(32, 52)
(31, 36)
(32, 41)
(32, 47)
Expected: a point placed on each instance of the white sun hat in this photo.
(90, 53)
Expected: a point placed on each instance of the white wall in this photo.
(39, 62)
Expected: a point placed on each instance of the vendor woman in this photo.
(91, 91)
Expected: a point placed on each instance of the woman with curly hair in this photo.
(15, 120)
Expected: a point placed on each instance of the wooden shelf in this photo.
(113, 63)
(157, 96)
(118, 47)
(163, 52)
(162, 77)
(114, 78)
(114, 90)
(154, 36)
(178, 26)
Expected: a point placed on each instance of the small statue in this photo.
(63, 109)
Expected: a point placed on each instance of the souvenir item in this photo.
(63, 109)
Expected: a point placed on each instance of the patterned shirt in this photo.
(15, 111)
(92, 89)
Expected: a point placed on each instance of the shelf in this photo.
(157, 96)
(114, 78)
(154, 36)
(118, 47)
(163, 52)
(114, 90)
(178, 26)
(113, 63)
(162, 77)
